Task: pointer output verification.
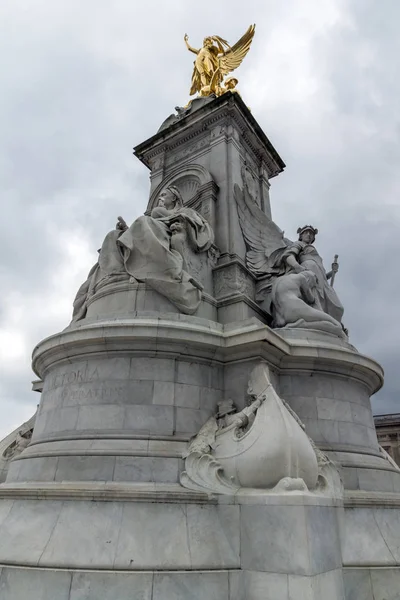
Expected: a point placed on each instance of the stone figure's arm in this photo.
(294, 264)
(254, 406)
(307, 291)
(188, 46)
(335, 269)
(159, 212)
(121, 224)
(241, 419)
(291, 257)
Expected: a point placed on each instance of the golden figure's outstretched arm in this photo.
(188, 46)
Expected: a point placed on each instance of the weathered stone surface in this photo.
(19, 584)
(371, 537)
(92, 508)
(299, 542)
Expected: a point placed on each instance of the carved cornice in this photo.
(192, 336)
(103, 492)
(364, 499)
(229, 106)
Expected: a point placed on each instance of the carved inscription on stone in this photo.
(79, 375)
(93, 393)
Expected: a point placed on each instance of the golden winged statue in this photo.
(215, 60)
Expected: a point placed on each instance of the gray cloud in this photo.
(84, 82)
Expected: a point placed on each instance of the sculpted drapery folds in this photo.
(150, 251)
(215, 60)
(291, 276)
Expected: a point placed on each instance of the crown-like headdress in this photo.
(307, 227)
(176, 193)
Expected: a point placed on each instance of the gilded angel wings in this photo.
(233, 58)
(215, 60)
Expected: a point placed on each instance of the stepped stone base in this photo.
(93, 508)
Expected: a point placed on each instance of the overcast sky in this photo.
(84, 81)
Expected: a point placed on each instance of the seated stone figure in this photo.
(301, 256)
(295, 303)
(109, 269)
(291, 282)
(152, 251)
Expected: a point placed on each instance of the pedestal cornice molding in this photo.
(208, 340)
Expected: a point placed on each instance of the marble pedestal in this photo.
(93, 507)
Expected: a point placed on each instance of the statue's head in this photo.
(169, 197)
(259, 380)
(225, 407)
(207, 42)
(231, 83)
(307, 234)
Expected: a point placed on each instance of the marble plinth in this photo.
(94, 504)
(168, 543)
(128, 298)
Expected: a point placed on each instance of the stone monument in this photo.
(205, 428)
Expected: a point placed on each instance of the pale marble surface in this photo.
(126, 535)
(300, 540)
(125, 390)
(18, 584)
(371, 536)
(372, 584)
(276, 586)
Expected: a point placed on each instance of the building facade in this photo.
(388, 431)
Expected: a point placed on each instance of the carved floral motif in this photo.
(188, 150)
(232, 280)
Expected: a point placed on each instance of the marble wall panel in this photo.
(107, 586)
(85, 468)
(323, 538)
(357, 584)
(290, 539)
(149, 419)
(188, 421)
(163, 392)
(276, 586)
(191, 586)
(214, 536)
(371, 537)
(86, 533)
(21, 584)
(152, 368)
(26, 530)
(34, 469)
(337, 410)
(147, 468)
(385, 584)
(274, 539)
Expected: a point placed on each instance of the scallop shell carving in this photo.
(188, 188)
